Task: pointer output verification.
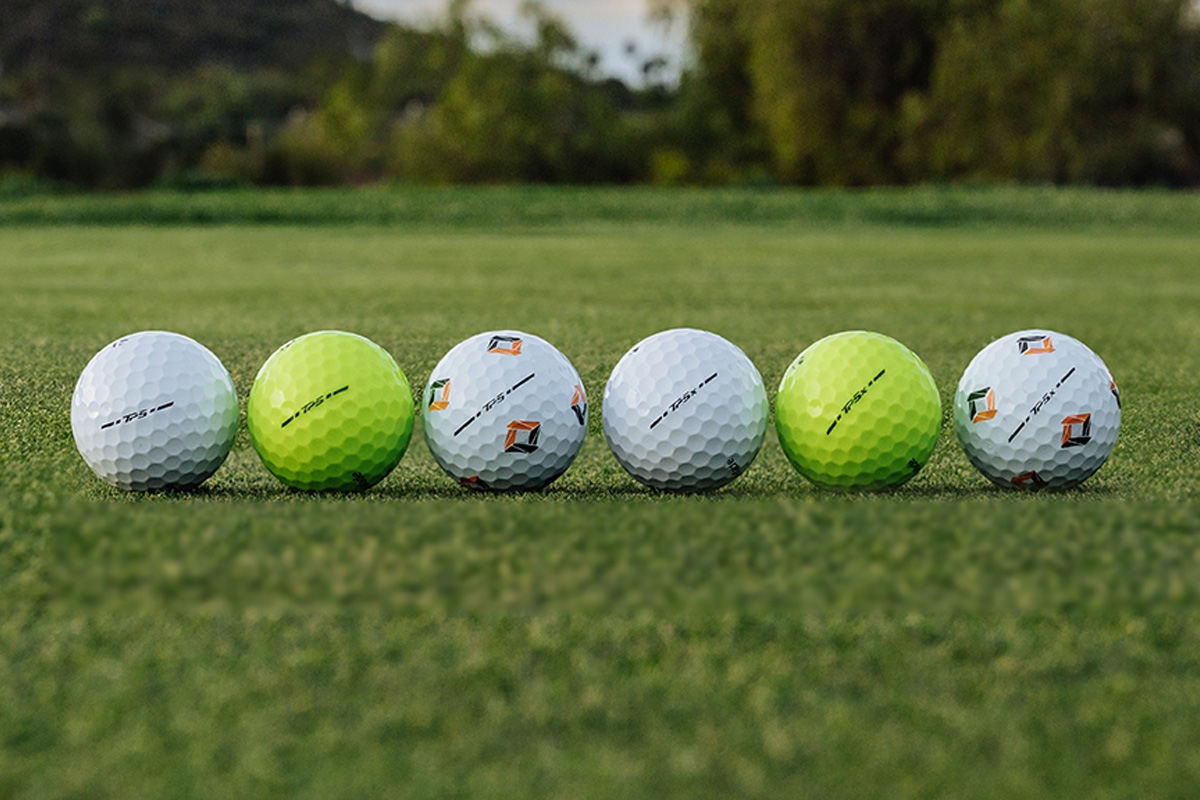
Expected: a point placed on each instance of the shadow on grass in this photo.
(619, 490)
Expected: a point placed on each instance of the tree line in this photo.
(897, 91)
(797, 92)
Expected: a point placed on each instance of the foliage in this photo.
(471, 103)
(713, 128)
(894, 91)
(81, 36)
(831, 78)
(466, 102)
(512, 112)
(1063, 91)
(128, 128)
(111, 94)
(114, 94)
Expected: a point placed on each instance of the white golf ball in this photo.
(685, 410)
(1037, 409)
(154, 410)
(504, 411)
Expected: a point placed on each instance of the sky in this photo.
(602, 25)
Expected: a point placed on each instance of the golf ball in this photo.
(330, 411)
(685, 410)
(504, 411)
(154, 410)
(858, 410)
(1037, 409)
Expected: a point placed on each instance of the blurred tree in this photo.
(1184, 78)
(409, 71)
(714, 135)
(121, 93)
(175, 36)
(513, 111)
(888, 91)
(821, 82)
(96, 131)
(1062, 91)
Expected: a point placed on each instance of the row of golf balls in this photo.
(683, 410)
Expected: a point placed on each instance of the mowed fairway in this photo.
(598, 640)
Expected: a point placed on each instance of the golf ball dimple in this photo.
(504, 411)
(154, 410)
(1037, 409)
(330, 411)
(858, 410)
(685, 410)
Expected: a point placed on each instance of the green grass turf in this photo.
(600, 640)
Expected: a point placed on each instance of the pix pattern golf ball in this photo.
(858, 410)
(685, 410)
(1037, 409)
(504, 411)
(330, 411)
(154, 410)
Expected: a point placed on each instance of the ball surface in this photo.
(154, 410)
(685, 410)
(1037, 409)
(504, 411)
(858, 410)
(330, 411)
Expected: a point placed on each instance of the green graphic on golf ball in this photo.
(858, 410)
(330, 411)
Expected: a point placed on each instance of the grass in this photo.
(600, 640)
(507, 206)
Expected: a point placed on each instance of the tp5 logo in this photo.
(984, 397)
(1031, 345)
(522, 436)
